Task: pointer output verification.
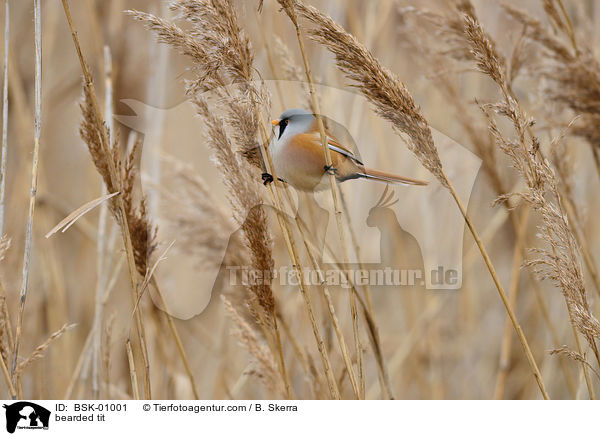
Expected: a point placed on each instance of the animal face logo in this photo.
(427, 214)
(26, 415)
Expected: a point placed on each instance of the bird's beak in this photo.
(275, 122)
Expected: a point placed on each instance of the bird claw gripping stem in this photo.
(330, 169)
(267, 178)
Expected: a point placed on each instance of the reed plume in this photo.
(561, 261)
(222, 57)
(393, 102)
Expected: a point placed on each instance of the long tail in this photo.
(389, 178)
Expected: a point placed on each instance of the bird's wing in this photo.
(334, 145)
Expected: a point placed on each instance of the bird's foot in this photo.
(330, 169)
(267, 178)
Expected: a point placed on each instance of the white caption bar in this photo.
(297, 417)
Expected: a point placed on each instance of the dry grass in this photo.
(517, 84)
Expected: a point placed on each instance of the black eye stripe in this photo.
(282, 125)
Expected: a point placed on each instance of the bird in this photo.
(298, 158)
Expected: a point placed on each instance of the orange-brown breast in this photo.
(306, 150)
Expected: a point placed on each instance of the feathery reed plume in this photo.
(266, 367)
(94, 132)
(244, 197)
(572, 73)
(221, 55)
(200, 219)
(572, 76)
(223, 61)
(4, 350)
(560, 263)
(289, 7)
(485, 147)
(291, 71)
(393, 102)
(141, 231)
(574, 355)
(38, 353)
(387, 93)
(6, 341)
(468, 41)
(5, 328)
(4, 246)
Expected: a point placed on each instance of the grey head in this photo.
(292, 122)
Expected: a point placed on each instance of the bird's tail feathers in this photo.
(382, 176)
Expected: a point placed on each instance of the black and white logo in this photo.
(26, 415)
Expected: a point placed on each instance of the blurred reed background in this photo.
(516, 83)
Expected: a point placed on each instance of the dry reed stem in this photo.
(178, 342)
(330, 306)
(570, 31)
(72, 218)
(210, 19)
(220, 18)
(562, 266)
(8, 379)
(367, 311)
(295, 258)
(4, 150)
(554, 334)
(503, 296)
(34, 178)
(122, 213)
(276, 199)
(393, 102)
(102, 224)
(542, 306)
(288, 6)
(132, 371)
(79, 365)
(239, 177)
(88, 341)
(331, 309)
(372, 328)
(513, 291)
(370, 324)
(543, 192)
(106, 355)
(4, 316)
(486, 152)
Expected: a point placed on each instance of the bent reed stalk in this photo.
(393, 102)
